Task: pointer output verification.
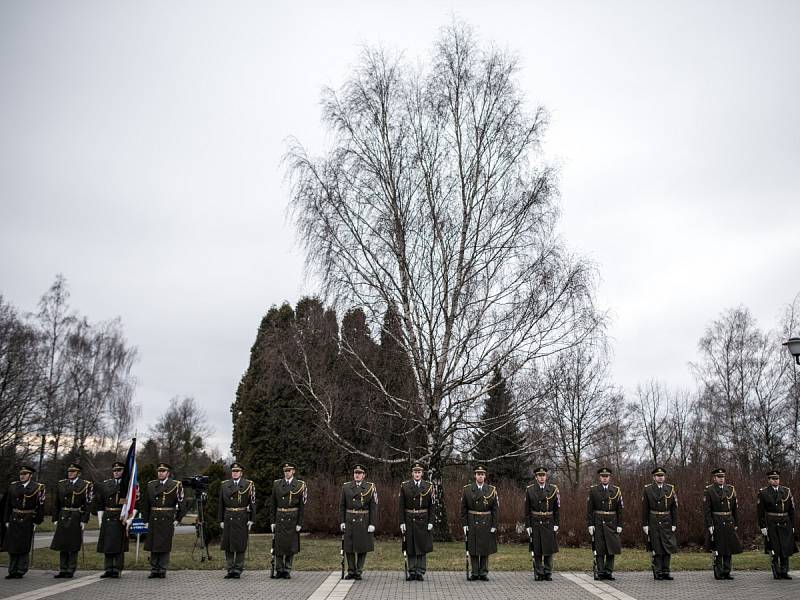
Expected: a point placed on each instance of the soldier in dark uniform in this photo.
(659, 521)
(24, 510)
(162, 509)
(479, 504)
(722, 520)
(71, 513)
(358, 515)
(237, 511)
(416, 520)
(109, 498)
(288, 503)
(604, 517)
(542, 504)
(775, 505)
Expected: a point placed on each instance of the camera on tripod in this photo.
(198, 483)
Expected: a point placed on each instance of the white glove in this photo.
(34, 526)
(646, 529)
(674, 528)
(272, 528)
(99, 518)
(249, 525)
(174, 523)
(619, 529)
(402, 527)
(8, 524)
(430, 526)
(493, 529)
(466, 529)
(222, 524)
(555, 528)
(83, 525)
(371, 529)
(529, 530)
(711, 530)
(591, 529)
(764, 531)
(297, 528)
(342, 526)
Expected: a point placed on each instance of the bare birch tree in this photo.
(432, 202)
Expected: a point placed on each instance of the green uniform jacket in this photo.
(24, 507)
(358, 509)
(162, 504)
(776, 514)
(479, 513)
(72, 507)
(416, 512)
(237, 506)
(541, 514)
(659, 514)
(287, 507)
(721, 511)
(109, 499)
(604, 512)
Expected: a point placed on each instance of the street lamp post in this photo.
(793, 345)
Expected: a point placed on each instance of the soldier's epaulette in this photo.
(225, 480)
(466, 486)
(405, 482)
(276, 481)
(649, 485)
(531, 485)
(763, 488)
(14, 482)
(61, 480)
(709, 485)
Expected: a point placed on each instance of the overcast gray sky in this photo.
(140, 148)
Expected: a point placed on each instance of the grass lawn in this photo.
(322, 554)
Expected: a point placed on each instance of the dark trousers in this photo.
(543, 564)
(114, 563)
(722, 564)
(417, 563)
(18, 563)
(355, 562)
(159, 562)
(781, 564)
(234, 562)
(479, 564)
(67, 562)
(605, 564)
(283, 563)
(661, 563)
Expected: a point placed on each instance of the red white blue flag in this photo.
(130, 483)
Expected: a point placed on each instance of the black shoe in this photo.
(548, 577)
(537, 577)
(474, 577)
(229, 576)
(287, 575)
(728, 576)
(237, 575)
(785, 576)
(68, 575)
(59, 575)
(610, 577)
(153, 576)
(357, 577)
(114, 575)
(667, 577)
(420, 577)
(484, 578)
(348, 576)
(658, 576)
(106, 574)
(11, 576)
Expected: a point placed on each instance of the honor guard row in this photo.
(162, 507)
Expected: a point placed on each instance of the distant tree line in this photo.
(67, 394)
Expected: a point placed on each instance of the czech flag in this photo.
(130, 483)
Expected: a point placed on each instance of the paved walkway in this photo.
(43, 539)
(256, 585)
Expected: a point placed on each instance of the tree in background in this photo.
(499, 435)
(179, 435)
(431, 203)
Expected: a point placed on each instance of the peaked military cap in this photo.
(774, 474)
(288, 465)
(658, 471)
(540, 471)
(162, 466)
(359, 468)
(74, 467)
(718, 471)
(479, 469)
(604, 471)
(237, 466)
(27, 469)
(418, 466)
(117, 465)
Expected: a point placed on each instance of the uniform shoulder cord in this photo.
(368, 492)
(430, 489)
(299, 491)
(555, 491)
(242, 492)
(671, 493)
